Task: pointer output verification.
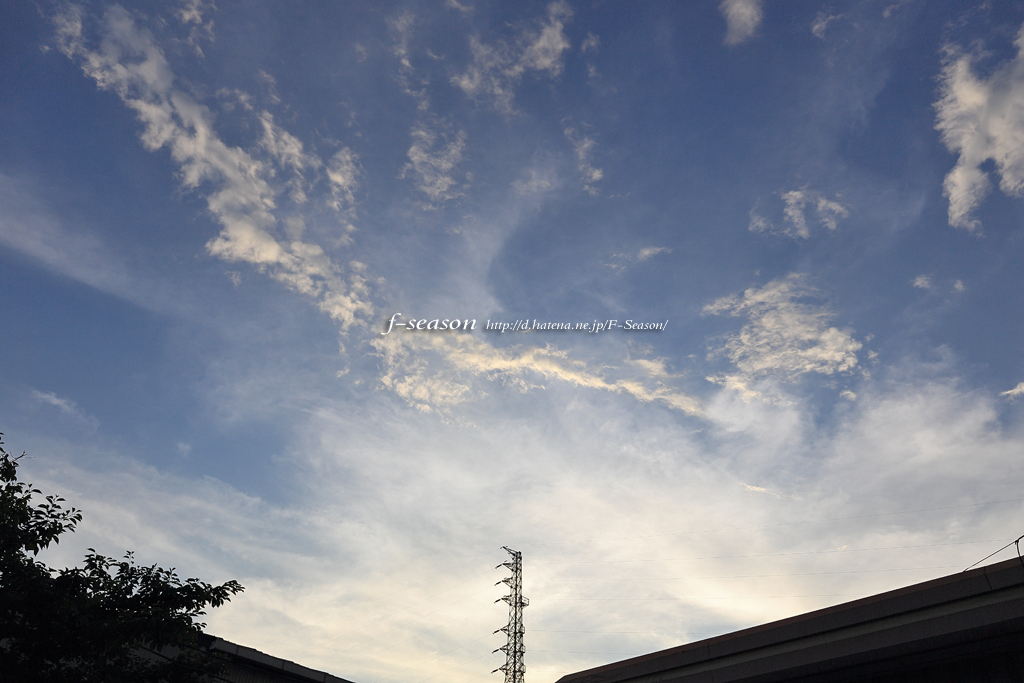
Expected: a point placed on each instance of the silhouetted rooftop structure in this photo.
(246, 665)
(964, 627)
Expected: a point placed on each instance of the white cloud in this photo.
(583, 146)
(538, 180)
(1015, 392)
(925, 435)
(622, 260)
(786, 334)
(232, 95)
(981, 120)
(648, 252)
(922, 282)
(544, 51)
(759, 223)
(821, 22)
(190, 13)
(827, 213)
(438, 371)
(496, 69)
(381, 501)
(742, 18)
(433, 160)
(454, 4)
(27, 226)
(435, 153)
(66, 406)
(383, 559)
(795, 201)
(590, 44)
(287, 150)
(343, 174)
(401, 27)
(284, 146)
(130, 64)
(761, 489)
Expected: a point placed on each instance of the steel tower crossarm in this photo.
(514, 649)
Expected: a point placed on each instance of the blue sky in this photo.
(209, 214)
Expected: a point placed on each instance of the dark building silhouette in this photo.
(246, 665)
(964, 627)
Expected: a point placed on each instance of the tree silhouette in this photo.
(106, 622)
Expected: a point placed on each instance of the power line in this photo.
(807, 552)
(754, 576)
(647, 633)
(780, 524)
(587, 652)
(709, 597)
(1015, 542)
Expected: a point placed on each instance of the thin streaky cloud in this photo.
(66, 406)
(820, 24)
(438, 372)
(130, 64)
(620, 261)
(648, 252)
(1015, 392)
(583, 146)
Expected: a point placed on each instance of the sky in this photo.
(738, 290)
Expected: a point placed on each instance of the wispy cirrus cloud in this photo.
(439, 371)
(787, 334)
(797, 204)
(1015, 392)
(436, 150)
(820, 24)
(66, 406)
(648, 252)
(497, 68)
(583, 146)
(332, 574)
(922, 282)
(25, 225)
(621, 260)
(128, 62)
(287, 150)
(191, 14)
(981, 120)
(742, 17)
(433, 159)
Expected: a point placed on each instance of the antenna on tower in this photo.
(514, 649)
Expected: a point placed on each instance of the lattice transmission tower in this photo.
(514, 649)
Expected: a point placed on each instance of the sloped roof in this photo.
(273, 668)
(977, 613)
